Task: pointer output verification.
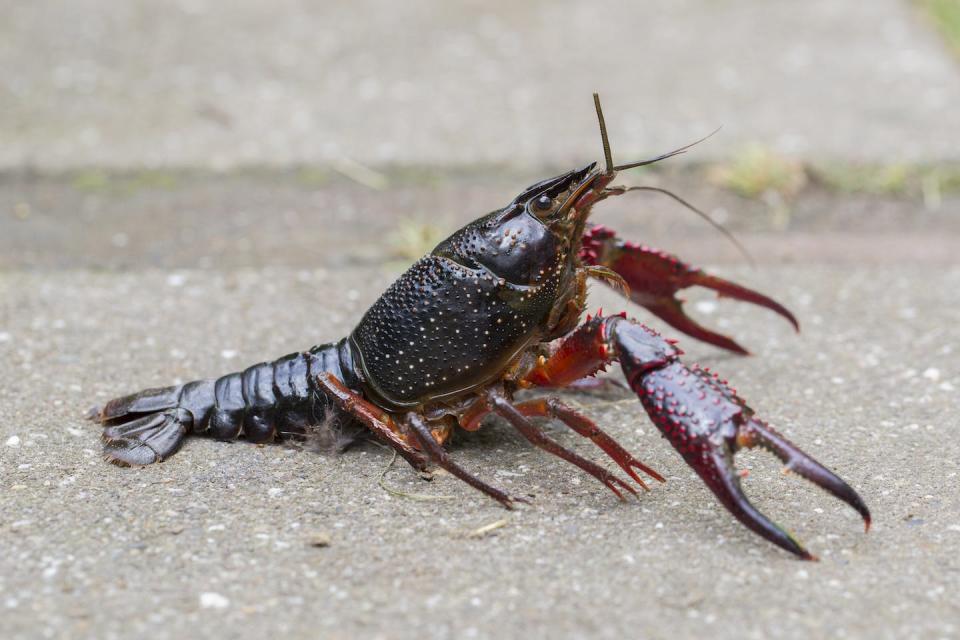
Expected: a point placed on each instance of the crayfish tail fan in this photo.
(150, 426)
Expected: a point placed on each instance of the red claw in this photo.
(697, 411)
(707, 424)
(655, 277)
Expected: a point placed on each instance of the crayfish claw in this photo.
(655, 277)
(718, 472)
(720, 475)
(758, 433)
(707, 423)
(670, 310)
(727, 289)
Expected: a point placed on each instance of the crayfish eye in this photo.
(543, 203)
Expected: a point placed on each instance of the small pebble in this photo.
(211, 600)
(176, 280)
(13, 441)
(320, 540)
(706, 306)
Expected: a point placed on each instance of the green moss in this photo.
(756, 171)
(152, 179)
(413, 238)
(949, 178)
(91, 181)
(888, 180)
(312, 176)
(883, 180)
(946, 15)
(123, 183)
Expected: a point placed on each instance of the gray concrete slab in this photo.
(111, 281)
(199, 83)
(217, 541)
(303, 219)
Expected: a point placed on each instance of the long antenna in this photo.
(713, 223)
(669, 154)
(607, 156)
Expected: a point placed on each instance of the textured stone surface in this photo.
(222, 538)
(110, 282)
(94, 82)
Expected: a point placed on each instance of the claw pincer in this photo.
(655, 277)
(707, 423)
(696, 411)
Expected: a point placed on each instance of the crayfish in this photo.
(494, 309)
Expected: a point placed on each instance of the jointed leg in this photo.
(554, 408)
(419, 429)
(501, 406)
(371, 416)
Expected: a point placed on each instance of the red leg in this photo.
(655, 278)
(371, 416)
(554, 408)
(383, 425)
(538, 438)
(585, 351)
(419, 429)
(702, 417)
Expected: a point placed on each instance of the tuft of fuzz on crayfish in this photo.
(331, 435)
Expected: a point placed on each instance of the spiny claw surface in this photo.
(708, 423)
(655, 277)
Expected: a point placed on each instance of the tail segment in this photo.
(143, 441)
(260, 403)
(150, 426)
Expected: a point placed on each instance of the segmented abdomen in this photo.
(266, 398)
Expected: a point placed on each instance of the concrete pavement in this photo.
(220, 540)
(173, 205)
(196, 83)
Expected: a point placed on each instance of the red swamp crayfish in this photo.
(494, 309)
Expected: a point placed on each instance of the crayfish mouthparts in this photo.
(497, 307)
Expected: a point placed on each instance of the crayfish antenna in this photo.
(668, 154)
(705, 216)
(611, 169)
(607, 154)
